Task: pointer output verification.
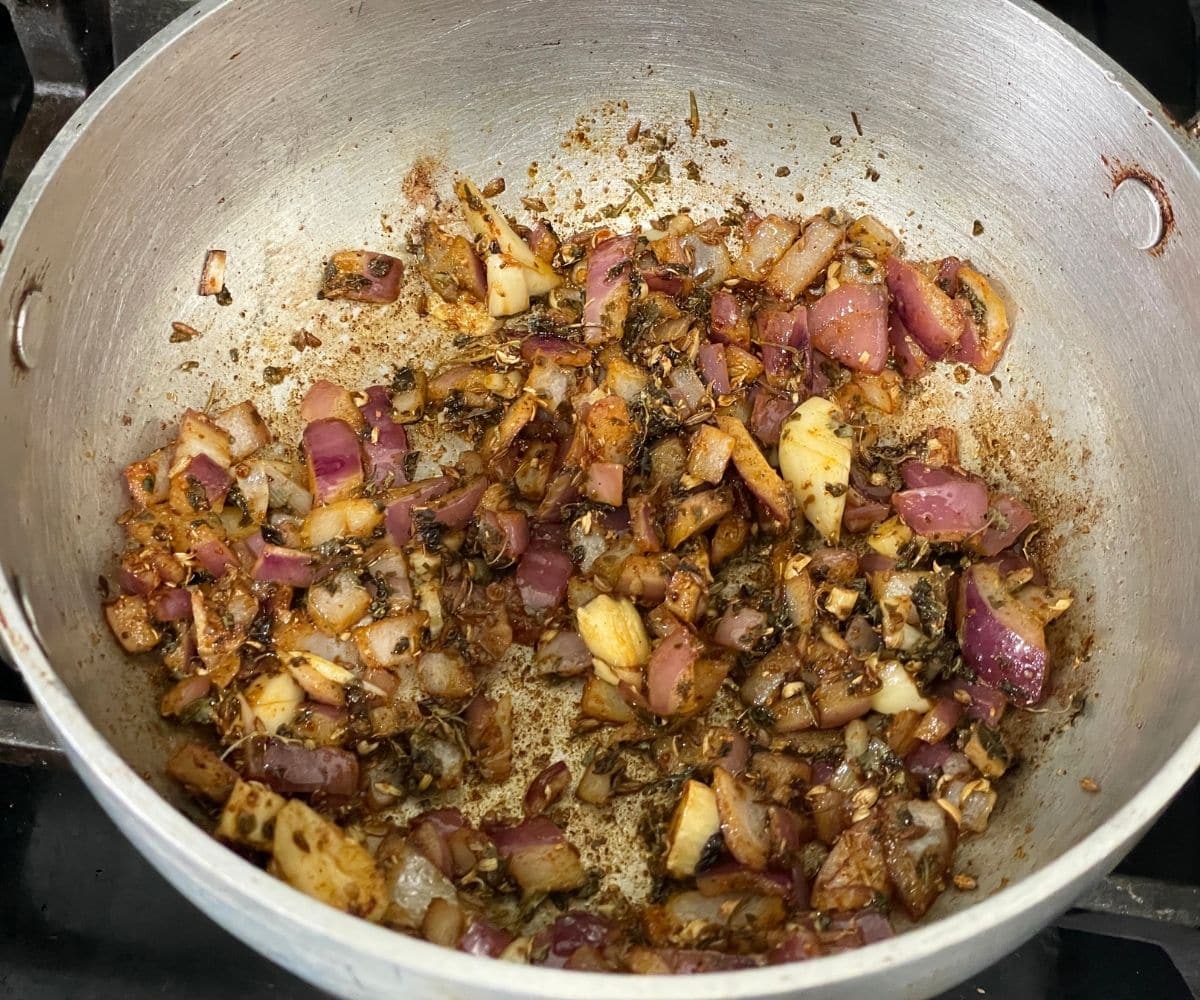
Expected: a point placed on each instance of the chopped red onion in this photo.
(362, 276)
(277, 564)
(563, 654)
(546, 788)
(727, 319)
(170, 604)
(910, 360)
(784, 339)
(768, 413)
(928, 312)
(484, 938)
(398, 516)
(214, 480)
(606, 296)
(1007, 518)
(671, 671)
(386, 445)
(508, 531)
(572, 931)
(987, 704)
(215, 557)
(327, 400)
(849, 324)
(950, 511)
(713, 368)
(740, 629)
(605, 483)
(294, 769)
(1000, 639)
(542, 576)
(456, 508)
(561, 352)
(334, 459)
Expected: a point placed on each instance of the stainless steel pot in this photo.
(280, 129)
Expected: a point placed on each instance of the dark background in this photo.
(82, 916)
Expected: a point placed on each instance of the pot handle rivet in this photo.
(1139, 213)
(28, 327)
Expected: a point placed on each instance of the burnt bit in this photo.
(1132, 171)
(857, 123)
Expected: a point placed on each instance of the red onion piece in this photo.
(732, 876)
(215, 557)
(428, 834)
(214, 480)
(940, 721)
(508, 531)
(947, 276)
(398, 516)
(727, 323)
(542, 576)
(456, 508)
(546, 788)
(606, 294)
(510, 839)
(862, 483)
(660, 278)
(643, 524)
(740, 629)
(785, 340)
(736, 757)
(484, 938)
(1007, 518)
(671, 670)
(291, 567)
(927, 312)
(910, 360)
(987, 704)
(862, 516)
(563, 490)
(713, 368)
(362, 276)
(386, 445)
(767, 415)
(605, 483)
(561, 352)
(334, 460)
(542, 241)
(873, 562)
(572, 931)
(927, 759)
(564, 654)
(170, 604)
(948, 512)
(327, 400)
(917, 475)
(874, 926)
(849, 325)
(294, 769)
(1000, 640)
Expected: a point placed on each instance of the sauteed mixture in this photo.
(657, 481)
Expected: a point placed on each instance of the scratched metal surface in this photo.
(280, 131)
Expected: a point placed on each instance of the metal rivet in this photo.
(1139, 213)
(28, 328)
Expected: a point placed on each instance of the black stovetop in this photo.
(83, 916)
